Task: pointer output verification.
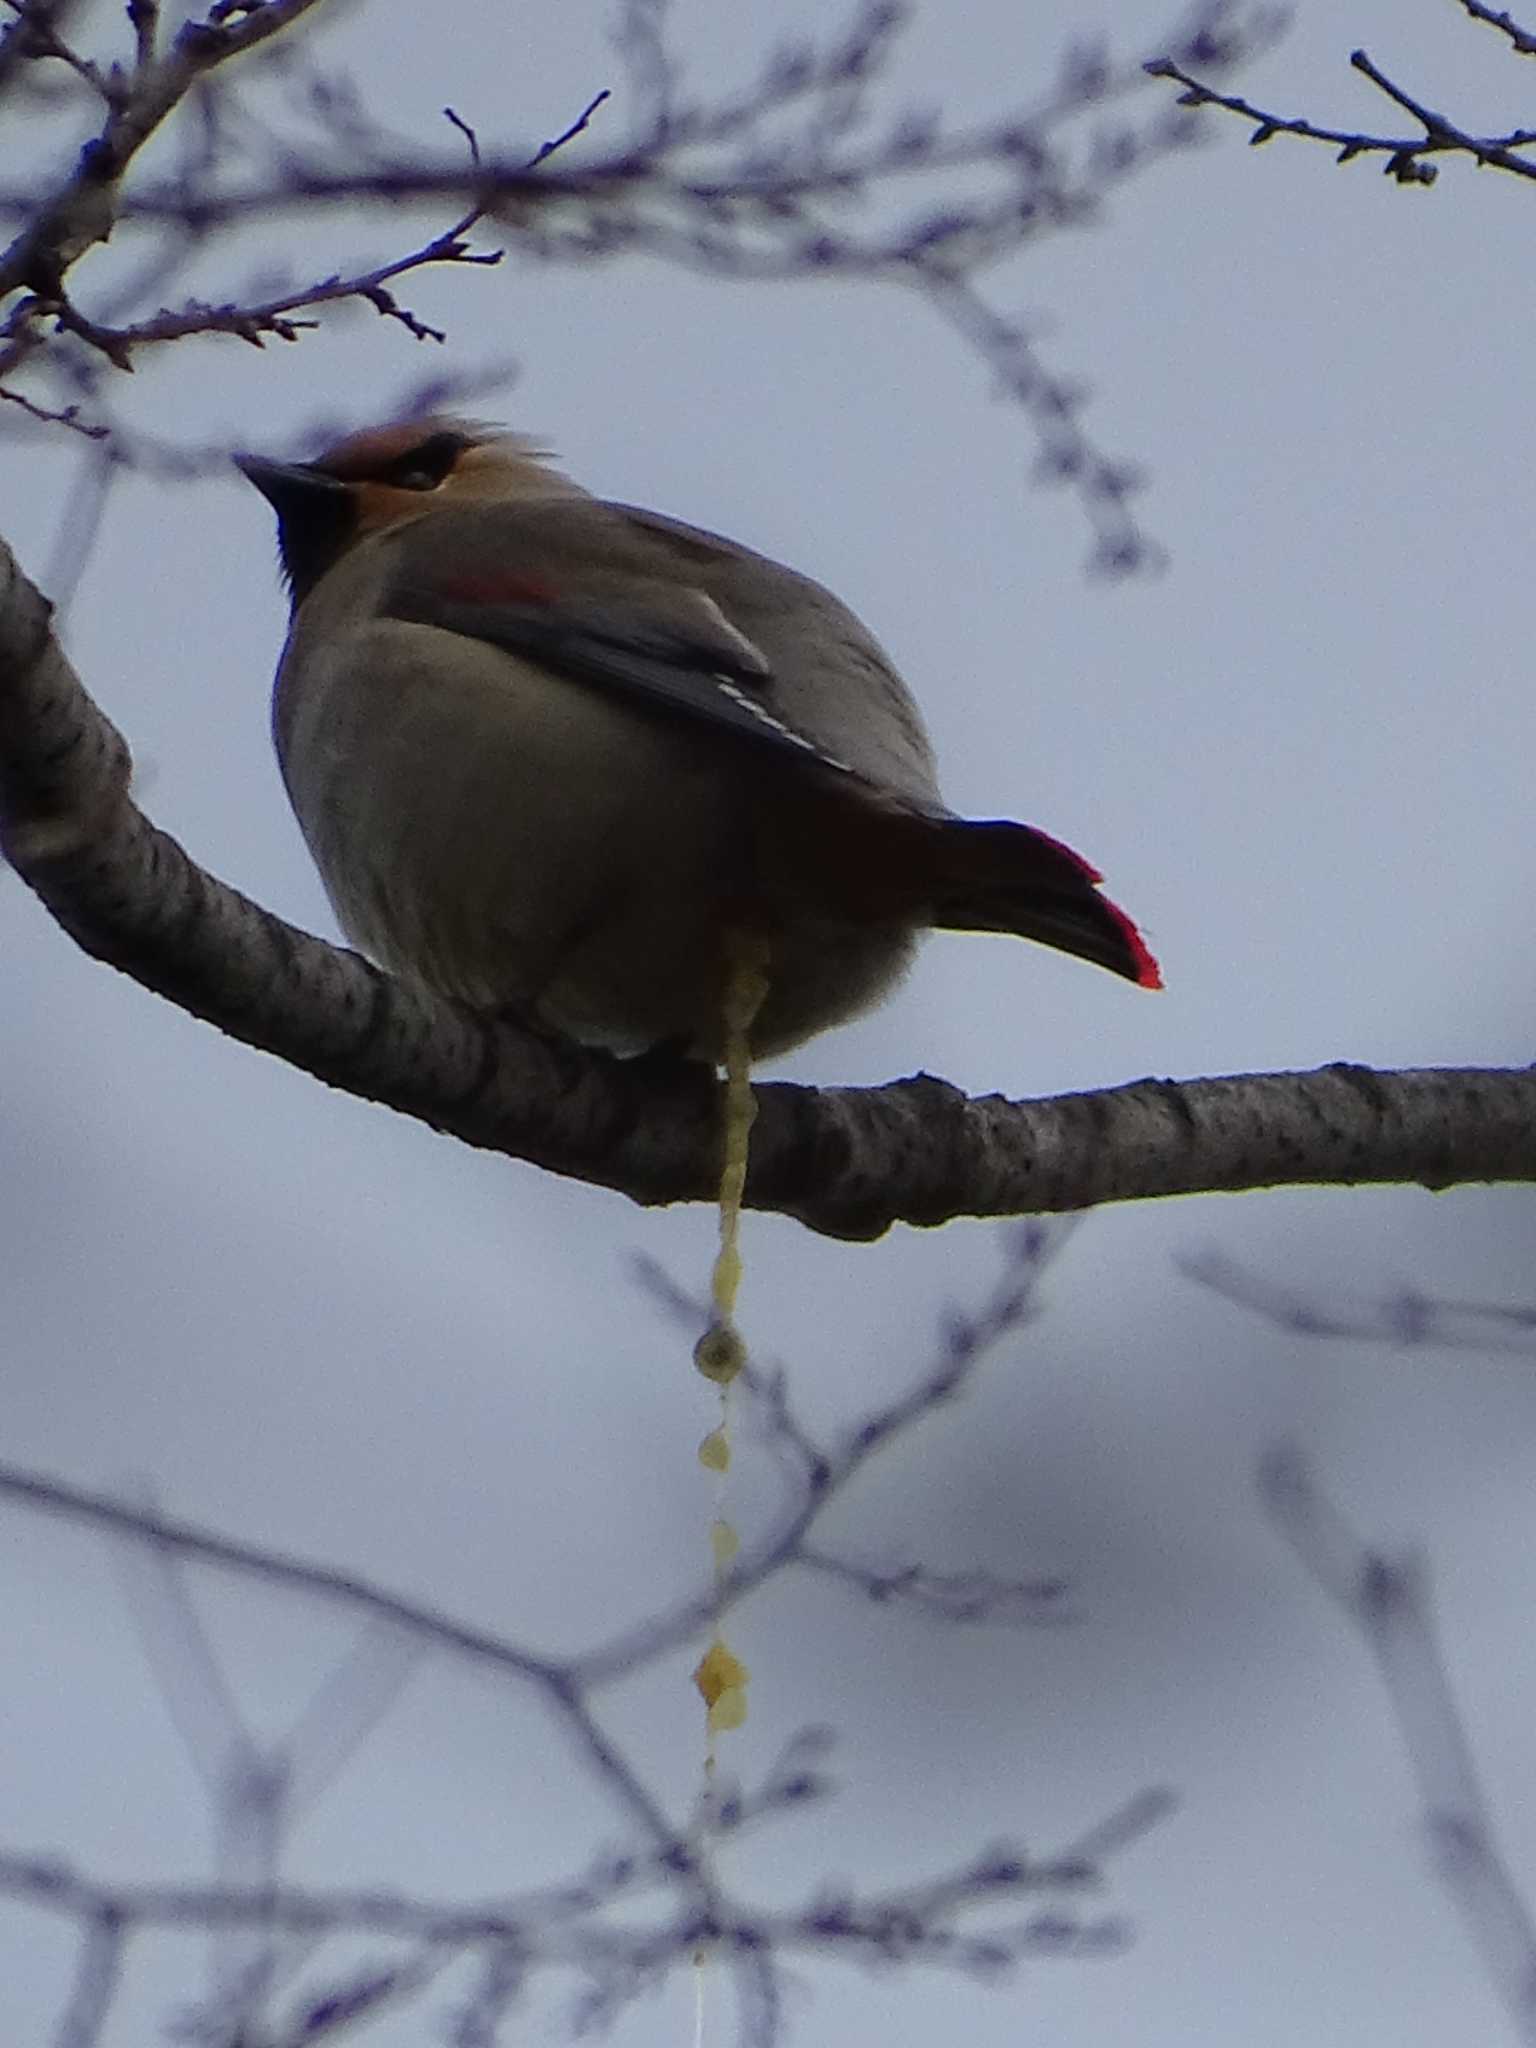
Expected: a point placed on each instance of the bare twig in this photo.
(1407, 1318)
(25, 36)
(1501, 152)
(546, 150)
(55, 416)
(38, 32)
(82, 209)
(1406, 156)
(264, 1925)
(794, 175)
(1387, 1600)
(103, 1933)
(97, 470)
(1521, 40)
(1066, 454)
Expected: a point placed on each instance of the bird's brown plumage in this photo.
(551, 752)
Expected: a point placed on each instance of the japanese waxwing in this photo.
(553, 754)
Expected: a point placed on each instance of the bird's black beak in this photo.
(316, 516)
(286, 485)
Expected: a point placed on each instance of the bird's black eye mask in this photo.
(423, 467)
(318, 506)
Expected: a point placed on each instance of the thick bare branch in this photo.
(848, 1161)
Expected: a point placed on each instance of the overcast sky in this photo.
(1303, 757)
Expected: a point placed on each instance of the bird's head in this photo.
(383, 476)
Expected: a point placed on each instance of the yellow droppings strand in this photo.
(720, 1671)
(729, 1711)
(727, 1278)
(720, 1353)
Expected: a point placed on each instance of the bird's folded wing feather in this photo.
(671, 648)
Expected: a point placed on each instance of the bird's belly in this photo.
(518, 840)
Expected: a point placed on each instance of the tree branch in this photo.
(1406, 156)
(1521, 40)
(847, 1161)
(1386, 1599)
(797, 173)
(268, 1931)
(83, 208)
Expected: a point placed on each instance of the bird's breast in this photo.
(486, 825)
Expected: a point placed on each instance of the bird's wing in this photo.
(551, 592)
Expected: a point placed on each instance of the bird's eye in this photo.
(425, 466)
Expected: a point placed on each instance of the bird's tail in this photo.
(994, 876)
(871, 857)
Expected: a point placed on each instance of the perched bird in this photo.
(552, 754)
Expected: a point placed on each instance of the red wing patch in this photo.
(510, 587)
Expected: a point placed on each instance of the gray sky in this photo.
(1302, 757)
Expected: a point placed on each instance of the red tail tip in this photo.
(1148, 973)
(1085, 868)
